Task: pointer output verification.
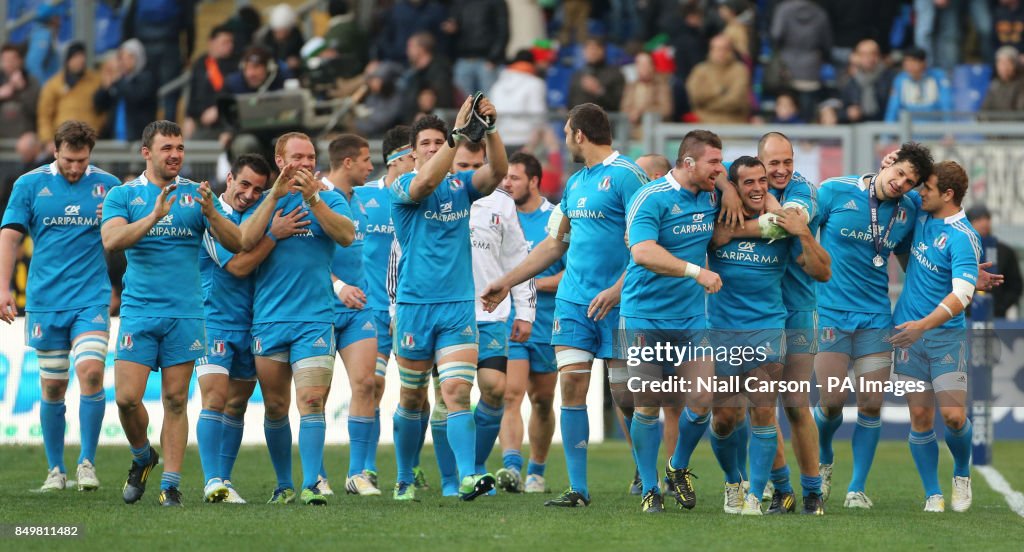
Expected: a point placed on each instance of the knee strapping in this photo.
(568, 357)
(446, 351)
(952, 381)
(89, 347)
(381, 369)
(313, 371)
(870, 364)
(465, 371)
(53, 364)
(204, 368)
(618, 374)
(413, 379)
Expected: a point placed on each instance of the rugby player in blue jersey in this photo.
(159, 220)
(227, 374)
(436, 323)
(670, 223)
(931, 343)
(531, 364)
(749, 312)
(380, 232)
(586, 307)
(354, 328)
(863, 219)
(59, 206)
(293, 313)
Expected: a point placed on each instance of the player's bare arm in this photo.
(430, 175)
(658, 260)
(544, 255)
(255, 226)
(549, 284)
(282, 227)
(607, 300)
(338, 227)
(118, 234)
(9, 241)
(222, 229)
(814, 260)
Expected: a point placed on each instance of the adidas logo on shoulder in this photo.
(196, 346)
(138, 201)
(45, 192)
(320, 342)
(467, 332)
(852, 205)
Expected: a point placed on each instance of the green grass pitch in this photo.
(505, 522)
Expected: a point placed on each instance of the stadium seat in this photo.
(558, 79)
(970, 84)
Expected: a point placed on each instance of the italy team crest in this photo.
(99, 190)
(37, 330)
(556, 326)
(408, 341)
(495, 220)
(257, 345)
(901, 215)
(828, 334)
(903, 355)
(218, 348)
(940, 242)
(605, 184)
(187, 200)
(127, 344)
(455, 184)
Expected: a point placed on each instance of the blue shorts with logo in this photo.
(740, 351)
(54, 331)
(383, 321)
(228, 352)
(493, 340)
(352, 326)
(802, 332)
(572, 328)
(637, 334)
(159, 342)
(856, 334)
(420, 330)
(541, 356)
(930, 358)
(294, 340)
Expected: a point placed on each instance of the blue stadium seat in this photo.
(970, 84)
(558, 79)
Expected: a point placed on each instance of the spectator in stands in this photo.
(786, 110)
(575, 17)
(283, 39)
(851, 24)
(937, 31)
(649, 93)
(690, 41)
(522, 97)
(68, 95)
(802, 34)
(918, 88)
(426, 70)
(1006, 91)
(129, 95)
(830, 112)
(43, 56)
(207, 82)
(243, 25)
(30, 156)
(19, 94)
(1009, 24)
(167, 28)
(719, 88)
(480, 32)
(1004, 259)
(381, 108)
(525, 26)
(737, 19)
(346, 46)
(866, 88)
(258, 73)
(404, 19)
(597, 82)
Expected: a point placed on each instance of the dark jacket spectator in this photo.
(690, 41)
(283, 39)
(243, 25)
(1006, 91)
(406, 18)
(168, 29)
(259, 73)
(480, 29)
(207, 82)
(426, 70)
(69, 95)
(346, 45)
(129, 95)
(597, 82)
(1009, 24)
(1003, 257)
(719, 88)
(381, 109)
(865, 91)
(852, 22)
(19, 94)
(801, 32)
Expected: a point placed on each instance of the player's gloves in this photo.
(770, 230)
(478, 125)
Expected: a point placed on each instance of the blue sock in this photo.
(462, 438)
(359, 430)
(533, 468)
(279, 443)
(445, 458)
(826, 430)
(488, 421)
(925, 450)
(780, 479)
(230, 442)
(322, 471)
(140, 455)
(371, 453)
(959, 443)
(512, 458)
(312, 429)
(646, 435)
(762, 454)
(691, 428)
(209, 433)
(51, 417)
(407, 435)
(742, 436)
(810, 484)
(170, 479)
(575, 439)
(723, 446)
(865, 442)
(90, 420)
(424, 424)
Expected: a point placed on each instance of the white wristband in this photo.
(948, 310)
(692, 271)
(338, 286)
